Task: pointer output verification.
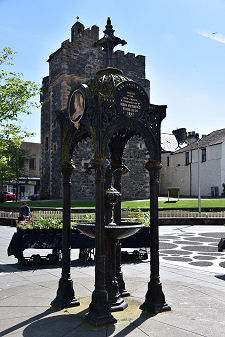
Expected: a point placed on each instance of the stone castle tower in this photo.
(77, 61)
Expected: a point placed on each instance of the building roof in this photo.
(213, 138)
(168, 142)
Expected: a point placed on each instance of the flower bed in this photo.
(33, 223)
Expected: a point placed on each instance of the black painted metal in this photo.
(118, 170)
(65, 294)
(116, 109)
(116, 301)
(108, 42)
(119, 273)
(155, 299)
(99, 309)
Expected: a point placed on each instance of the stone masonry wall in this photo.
(75, 62)
(135, 186)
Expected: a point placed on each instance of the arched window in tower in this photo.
(79, 32)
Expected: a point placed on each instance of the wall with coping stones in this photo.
(75, 62)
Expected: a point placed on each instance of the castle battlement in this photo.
(78, 31)
(139, 60)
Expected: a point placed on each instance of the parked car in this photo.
(7, 196)
(34, 196)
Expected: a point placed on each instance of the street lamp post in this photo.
(199, 183)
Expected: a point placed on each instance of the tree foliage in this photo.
(12, 162)
(16, 98)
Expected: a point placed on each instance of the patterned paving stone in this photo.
(202, 239)
(163, 237)
(175, 252)
(189, 234)
(222, 264)
(201, 263)
(211, 254)
(204, 245)
(187, 242)
(214, 234)
(200, 248)
(205, 257)
(178, 258)
(166, 245)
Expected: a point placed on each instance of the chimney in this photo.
(180, 135)
(192, 137)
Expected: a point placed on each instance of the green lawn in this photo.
(53, 204)
(130, 204)
(177, 204)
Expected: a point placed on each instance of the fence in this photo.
(89, 215)
(54, 214)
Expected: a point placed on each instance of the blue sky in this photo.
(183, 41)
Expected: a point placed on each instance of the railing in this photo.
(178, 214)
(89, 215)
(190, 214)
(55, 214)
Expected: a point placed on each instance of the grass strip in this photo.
(125, 204)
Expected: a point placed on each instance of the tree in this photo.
(15, 98)
(12, 163)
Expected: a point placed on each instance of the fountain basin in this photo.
(112, 231)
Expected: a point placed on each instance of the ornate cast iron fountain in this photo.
(110, 109)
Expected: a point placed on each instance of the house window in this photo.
(187, 158)
(203, 154)
(32, 164)
(46, 144)
(168, 161)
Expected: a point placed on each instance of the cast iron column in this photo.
(117, 218)
(99, 309)
(155, 299)
(65, 294)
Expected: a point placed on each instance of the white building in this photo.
(180, 165)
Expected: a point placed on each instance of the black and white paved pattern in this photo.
(194, 249)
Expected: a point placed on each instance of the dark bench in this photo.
(50, 239)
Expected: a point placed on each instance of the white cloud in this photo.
(214, 36)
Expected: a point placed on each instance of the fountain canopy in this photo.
(110, 109)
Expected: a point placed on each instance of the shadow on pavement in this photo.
(220, 277)
(27, 321)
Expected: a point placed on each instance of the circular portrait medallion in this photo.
(76, 107)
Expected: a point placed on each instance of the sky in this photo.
(183, 41)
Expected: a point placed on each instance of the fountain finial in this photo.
(109, 28)
(109, 41)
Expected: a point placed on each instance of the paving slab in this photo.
(196, 295)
